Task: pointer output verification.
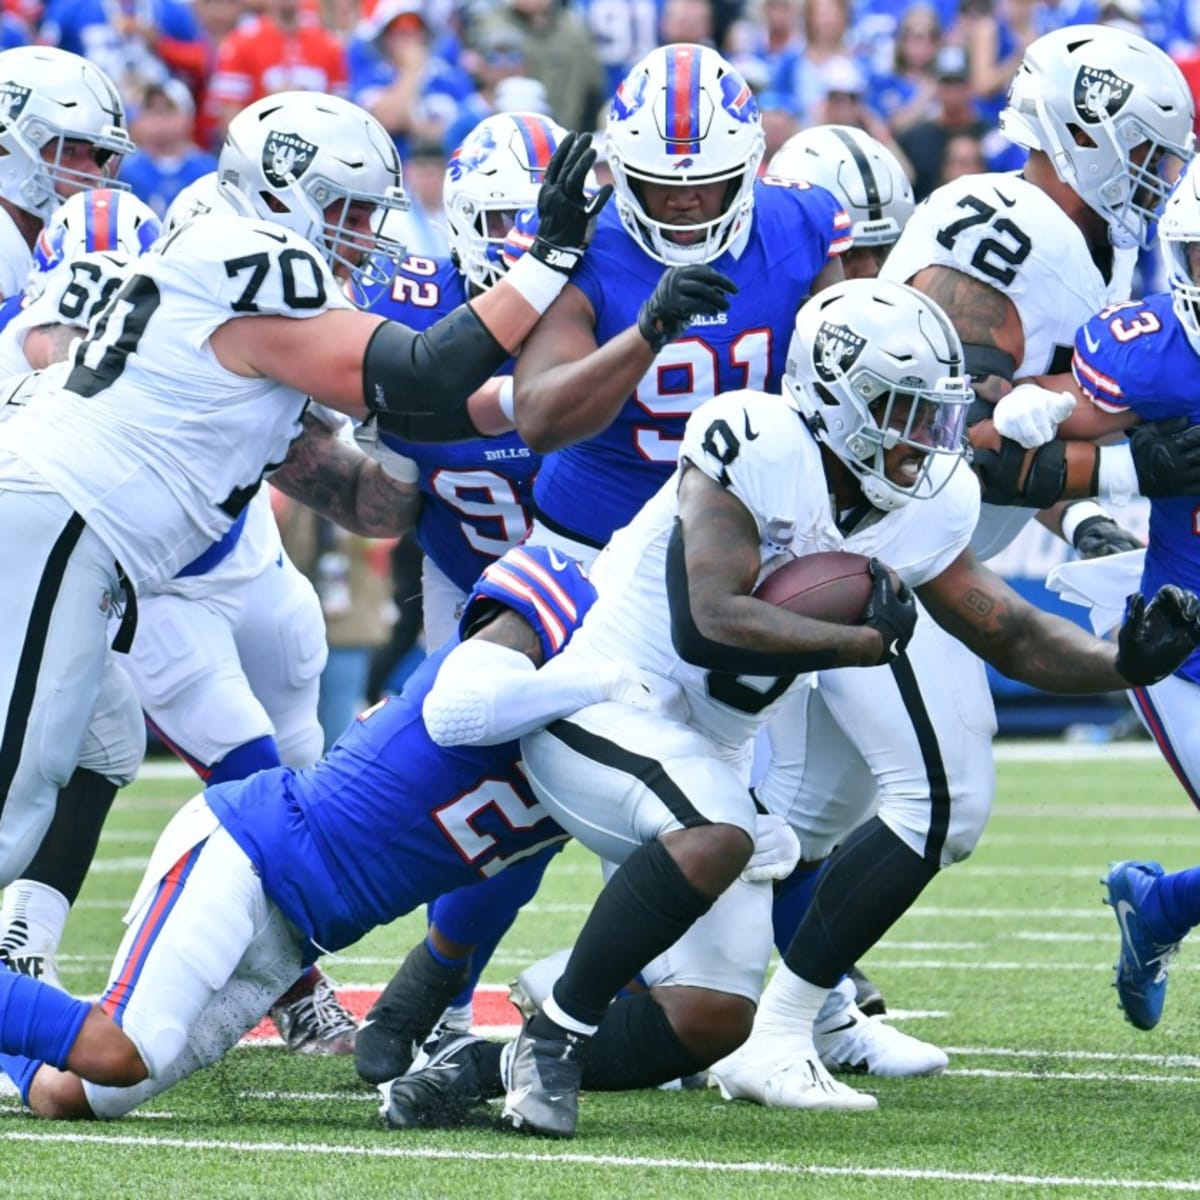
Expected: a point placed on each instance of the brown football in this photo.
(831, 585)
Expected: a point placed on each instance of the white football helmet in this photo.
(859, 170)
(1179, 234)
(497, 171)
(1089, 96)
(873, 365)
(204, 195)
(48, 97)
(96, 220)
(683, 115)
(301, 159)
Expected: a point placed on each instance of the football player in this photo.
(64, 131)
(122, 492)
(1018, 261)
(254, 878)
(860, 455)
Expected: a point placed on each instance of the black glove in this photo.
(1100, 536)
(564, 210)
(1158, 637)
(891, 612)
(682, 293)
(1166, 457)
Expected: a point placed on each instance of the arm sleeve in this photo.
(485, 694)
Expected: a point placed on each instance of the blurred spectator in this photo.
(996, 34)
(771, 30)
(119, 37)
(925, 143)
(687, 21)
(340, 17)
(167, 158)
(281, 49)
(843, 91)
(779, 119)
(14, 30)
(422, 229)
(622, 32)
(963, 155)
(396, 76)
(559, 52)
(826, 23)
(908, 92)
(498, 55)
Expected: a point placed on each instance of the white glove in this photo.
(776, 849)
(647, 691)
(397, 466)
(1030, 414)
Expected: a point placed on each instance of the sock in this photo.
(1172, 905)
(21, 1071)
(636, 1047)
(37, 1020)
(792, 898)
(32, 918)
(67, 850)
(245, 761)
(869, 882)
(645, 907)
(789, 1005)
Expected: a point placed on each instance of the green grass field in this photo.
(1005, 962)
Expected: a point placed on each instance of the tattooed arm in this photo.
(338, 481)
(1023, 642)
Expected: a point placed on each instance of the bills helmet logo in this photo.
(13, 98)
(1099, 94)
(835, 351)
(737, 99)
(630, 96)
(285, 157)
(472, 154)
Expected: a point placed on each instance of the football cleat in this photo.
(867, 995)
(316, 1023)
(849, 1041)
(544, 1074)
(1141, 979)
(438, 1095)
(18, 953)
(781, 1071)
(455, 1020)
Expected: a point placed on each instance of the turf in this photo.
(1006, 961)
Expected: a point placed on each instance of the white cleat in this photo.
(849, 1041)
(781, 1071)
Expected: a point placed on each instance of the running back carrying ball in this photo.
(832, 585)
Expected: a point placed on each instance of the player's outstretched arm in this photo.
(1049, 652)
(339, 481)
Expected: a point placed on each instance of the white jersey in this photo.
(15, 257)
(776, 472)
(1008, 233)
(150, 439)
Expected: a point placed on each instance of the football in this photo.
(832, 585)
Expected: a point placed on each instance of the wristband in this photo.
(1076, 513)
(505, 400)
(1117, 475)
(537, 283)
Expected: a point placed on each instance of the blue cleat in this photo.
(1141, 980)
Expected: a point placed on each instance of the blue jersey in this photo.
(1136, 357)
(388, 820)
(593, 488)
(476, 496)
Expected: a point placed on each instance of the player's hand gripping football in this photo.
(1157, 637)
(1166, 457)
(891, 612)
(564, 208)
(682, 294)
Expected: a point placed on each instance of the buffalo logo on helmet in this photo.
(1100, 94)
(737, 99)
(285, 157)
(13, 98)
(472, 154)
(630, 96)
(835, 351)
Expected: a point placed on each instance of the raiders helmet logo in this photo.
(13, 98)
(835, 351)
(1099, 94)
(285, 157)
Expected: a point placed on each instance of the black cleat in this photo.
(543, 1084)
(867, 995)
(441, 1094)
